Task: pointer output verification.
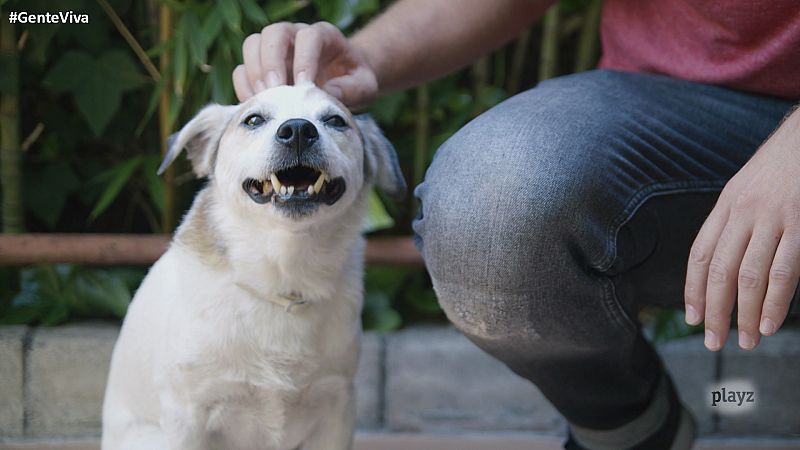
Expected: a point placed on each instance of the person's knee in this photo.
(495, 229)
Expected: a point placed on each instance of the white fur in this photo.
(203, 364)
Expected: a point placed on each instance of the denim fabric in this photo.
(546, 221)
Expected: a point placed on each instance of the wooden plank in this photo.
(145, 249)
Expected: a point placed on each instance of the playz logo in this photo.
(738, 397)
(733, 397)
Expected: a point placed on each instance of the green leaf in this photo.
(99, 294)
(211, 28)
(120, 67)
(254, 13)
(117, 176)
(180, 62)
(39, 299)
(278, 10)
(155, 185)
(47, 189)
(377, 218)
(96, 86)
(231, 14)
(71, 70)
(338, 12)
(378, 313)
(197, 42)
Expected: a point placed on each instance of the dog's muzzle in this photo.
(295, 185)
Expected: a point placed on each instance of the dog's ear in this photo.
(380, 159)
(200, 137)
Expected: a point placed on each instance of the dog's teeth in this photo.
(283, 190)
(320, 180)
(311, 190)
(275, 183)
(290, 190)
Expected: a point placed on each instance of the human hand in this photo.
(293, 53)
(750, 245)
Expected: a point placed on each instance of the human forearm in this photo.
(415, 41)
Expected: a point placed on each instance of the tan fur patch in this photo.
(198, 233)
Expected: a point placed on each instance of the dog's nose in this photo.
(297, 132)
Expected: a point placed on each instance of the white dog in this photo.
(245, 334)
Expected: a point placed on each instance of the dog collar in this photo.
(289, 302)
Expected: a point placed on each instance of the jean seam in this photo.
(637, 200)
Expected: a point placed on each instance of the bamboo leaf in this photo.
(253, 12)
(118, 176)
(231, 14)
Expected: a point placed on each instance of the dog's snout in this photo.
(297, 132)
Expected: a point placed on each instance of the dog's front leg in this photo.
(182, 425)
(335, 429)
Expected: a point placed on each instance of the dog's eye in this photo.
(254, 120)
(335, 121)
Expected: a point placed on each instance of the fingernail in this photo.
(273, 79)
(746, 341)
(767, 327)
(301, 78)
(712, 341)
(260, 86)
(692, 318)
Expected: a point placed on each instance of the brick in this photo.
(68, 368)
(437, 380)
(11, 384)
(693, 369)
(369, 382)
(773, 370)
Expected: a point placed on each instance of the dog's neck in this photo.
(276, 263)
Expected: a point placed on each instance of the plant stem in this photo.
(480, 80)
(548, 61)
(132, 42)
(518, 62)
(165, 33)
(422, 134)
(10, 153)
(586, 55)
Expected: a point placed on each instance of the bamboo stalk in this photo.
(10, 153)
(165, 33)
(422, 134)
(480, 80)
(548, 62)
(586, 55)
(132, 42)
(518, 62)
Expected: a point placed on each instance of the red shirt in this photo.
(752, 45)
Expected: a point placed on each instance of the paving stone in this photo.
(67, 369)
(693, 369)
(437, 380)
(11, 380)
(369, 382)
(772, 371)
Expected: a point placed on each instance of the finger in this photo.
(721, 285)
(240, 83)
(783, 277)
(753, 275)
(314, 45)
(356, 90)
(697, 266)
(252, 64)
(277, 41)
